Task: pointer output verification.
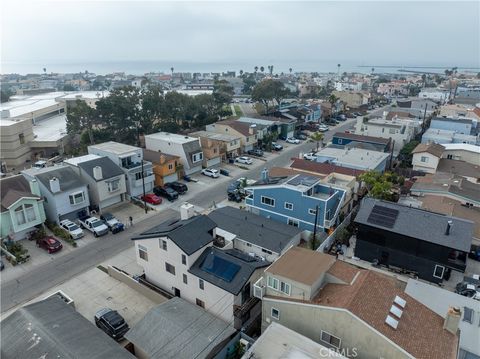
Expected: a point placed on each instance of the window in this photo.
(25, 213)
(200, 303)
(170, 166)
(268, 201)
(169, 268)
(292, 222)
(185, 279)
(449, 157)
(248, 244)
(391, 131)
(424, 159)
(197, 157)
(77, 198)
(468, 315)
(248, 139)
(285, 288)
(275, 313)
(184, 259)
(438, 271)
(142, 253)
(113, 185)
(30, 212)
(330, 339)
(138, 176)
(289, 206)
(164, 244)
(272, 283)
(383, 130)
(201, 284)
(20, 215)
(312, 211)
(21, 138)
(266, 251)
(340, 141)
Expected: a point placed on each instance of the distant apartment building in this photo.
(435, 94)
(131, 162)
(353, 99)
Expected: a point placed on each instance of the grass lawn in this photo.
(238, 110)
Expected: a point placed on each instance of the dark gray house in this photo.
(428, 244)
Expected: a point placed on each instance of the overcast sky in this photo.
(381, 33)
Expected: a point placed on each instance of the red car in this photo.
(151, 198)
(50, 244)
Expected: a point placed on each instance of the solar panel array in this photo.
(220, 267)
(303, 180)
(383, 216)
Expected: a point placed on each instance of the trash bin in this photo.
(231, 160)
(224, 172)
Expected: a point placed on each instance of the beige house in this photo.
(216, 144)
(245, 131)
(15, 136)
(348, 308)
(463, 152)
(426, 157)
(353, 99)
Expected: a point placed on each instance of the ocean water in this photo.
(142, 67)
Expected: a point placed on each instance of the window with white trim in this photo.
(184, 259)
(201, 284)
(330, 339)
(285, 288)
(170, 166)
(77, 198)
(438, 271)
(185, 279)
(113, 185)
(163, 244)
(24, 214)
(143, 253)
(169, 268)
(268, 201)
(272, 283)
(197, 157)
(424, 159)
(293, 222)
(289, 206)
(312, 211)
(275, 313)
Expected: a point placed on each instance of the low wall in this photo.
(331, 238)
(132, 283)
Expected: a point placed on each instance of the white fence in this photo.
(331, 238)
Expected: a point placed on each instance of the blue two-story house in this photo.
(295, 199)
(377, 143)
(463, 126)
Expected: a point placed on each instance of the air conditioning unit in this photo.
(244, 344)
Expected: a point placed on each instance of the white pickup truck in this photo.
(94, 225)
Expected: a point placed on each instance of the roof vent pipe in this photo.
(449, 228)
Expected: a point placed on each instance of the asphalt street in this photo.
(50, 274)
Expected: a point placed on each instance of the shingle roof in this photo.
(178, 329)
(361, 138)
(445, 183)
(66, 176)
(254, 229)
(12, 189)
(370, 297)
(432, 148)
(323, 168)
(190, 235)
(109, 168)
(241, 127)
(243, 264)
(460, 168)
(420, 224)
(302, 265)
(53, 329)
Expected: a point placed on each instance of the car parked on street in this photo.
(166, 192)
(111, 323)
(93, 224)
(177, 186)
(256, 152)
(293, 140)
(73, 230)
(50, 244)
(244, 159)
(210, 172)
(151, 198)
(474, 253)
(311, 156)
(323, 128)
(109, 219)
(301, 136)
(276, 146)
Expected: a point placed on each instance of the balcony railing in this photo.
(239, 311)
(259, 288)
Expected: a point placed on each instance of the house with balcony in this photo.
(185, 258)
(138, 172)
(245, 131)
(21, 207)
(214, 144)
(343, 307)
(105, 180)
(165, 166)
(431, 248)
(187, 148)
(65, 194)
(299, 200)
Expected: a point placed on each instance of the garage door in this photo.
(110, 201)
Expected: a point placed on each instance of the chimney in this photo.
(97, 173)
(452, 319)
(449, 228)
(54, 185)
(187, 210)
(34, 188)
(264, 175)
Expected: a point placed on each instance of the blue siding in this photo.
(453, 125)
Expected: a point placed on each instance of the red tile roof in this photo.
(323, 168)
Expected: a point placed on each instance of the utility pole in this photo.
(315, 229)
(137, 123)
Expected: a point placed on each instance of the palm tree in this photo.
(424, 80)
(262, 69)
(241, 73)
(256, 69)
(373, 69)
(171, 69)
(271, 69)
(317, 137)
(290, 69)
(45, 70)
(338, 71)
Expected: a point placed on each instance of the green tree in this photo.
(269, 90)
(248, 83)
(317, 137)
(380, 185)
(5, 95)
(262, 69)
(68, 87)
(222, 92)
(405, 154)
(81, 120)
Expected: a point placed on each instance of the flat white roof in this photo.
(51, 129)
(278, 341)
(354, 156)
(215, 136)
(171, 137)
(116, 148)
(76, 160)
(26, 107)
(193, 92)
(462, 146)
(439, 300)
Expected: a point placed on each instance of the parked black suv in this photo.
(111, 323)
(177, 186)
(255, 152)
(166, 192)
